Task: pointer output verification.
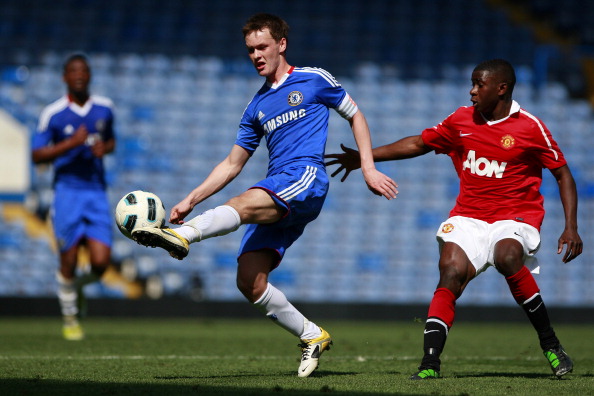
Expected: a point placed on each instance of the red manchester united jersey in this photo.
(499, 163)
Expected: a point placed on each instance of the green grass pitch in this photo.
(254, 357)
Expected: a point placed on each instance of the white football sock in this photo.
(214, 222)
(67, 296)
(275, 306)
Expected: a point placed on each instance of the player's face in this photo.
(77, 76)
(265, 52)
(485, 91)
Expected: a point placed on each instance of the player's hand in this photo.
(380, 184)
(79, 136)
(348, 161)
(98, 148)
(574, 245)
(179, 212)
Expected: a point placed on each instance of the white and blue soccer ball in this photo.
(139, 209)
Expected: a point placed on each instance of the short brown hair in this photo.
(277, 26)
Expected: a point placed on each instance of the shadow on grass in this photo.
(520, 375)
(319, 373)
(40, 387)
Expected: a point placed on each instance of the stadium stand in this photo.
(177, 75)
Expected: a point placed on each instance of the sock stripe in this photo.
(439, 321)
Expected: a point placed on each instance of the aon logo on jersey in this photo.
(483, 167)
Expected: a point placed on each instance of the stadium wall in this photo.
(177, 307)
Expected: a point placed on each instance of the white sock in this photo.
(67, 296)
(275, 306)
(214, 222)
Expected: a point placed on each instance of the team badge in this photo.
(295, 98)
(508, 142)
(100, 125)
(447, 228)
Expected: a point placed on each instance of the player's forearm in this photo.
(220, 176)
(50, 153)
(109, 146)
(408, 147)
(215, 182)
(569, 198)
(363, 140)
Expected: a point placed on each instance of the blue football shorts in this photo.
(301, 190)
(80, 213)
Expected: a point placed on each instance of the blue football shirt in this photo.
(293, 117)
(78, 167)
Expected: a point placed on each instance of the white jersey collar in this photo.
(515, 107)
(80, 110)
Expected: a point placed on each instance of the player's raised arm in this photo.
(349, 159)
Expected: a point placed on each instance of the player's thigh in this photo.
(455, 268)
(256, 206)
(67, 215)
(508, 256)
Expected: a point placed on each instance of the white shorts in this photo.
(478, 238)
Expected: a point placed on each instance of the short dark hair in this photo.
(278, 27)
(502, 68)
(73, 57)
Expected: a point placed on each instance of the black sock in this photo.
(539, 317)
(435, 335)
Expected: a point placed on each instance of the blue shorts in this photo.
(79, 213)
(301, 190)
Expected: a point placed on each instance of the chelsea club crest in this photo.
(295, 98)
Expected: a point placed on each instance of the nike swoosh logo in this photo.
(533, 310)
(465, 134)
(429, 331)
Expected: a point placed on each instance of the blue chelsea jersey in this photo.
(293, 117)
(78, 167)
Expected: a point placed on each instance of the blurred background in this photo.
(180, 78)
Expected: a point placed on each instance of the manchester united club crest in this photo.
(507, 142)
(447, 228)
(295, 98)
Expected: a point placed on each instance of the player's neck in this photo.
(80, 98)
(281, 71)
(500, 111)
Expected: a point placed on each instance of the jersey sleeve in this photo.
(440, 137)
(332, 94)
(43, 134)
(249, 133)
(546, 148)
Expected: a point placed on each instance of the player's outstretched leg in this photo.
(165, 238)
(527, 295)
(214, 222)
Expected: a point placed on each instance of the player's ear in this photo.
(502, 88)
(282, 44)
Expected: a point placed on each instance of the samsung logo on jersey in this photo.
(289, 116)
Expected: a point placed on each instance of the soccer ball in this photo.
(139, 209)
